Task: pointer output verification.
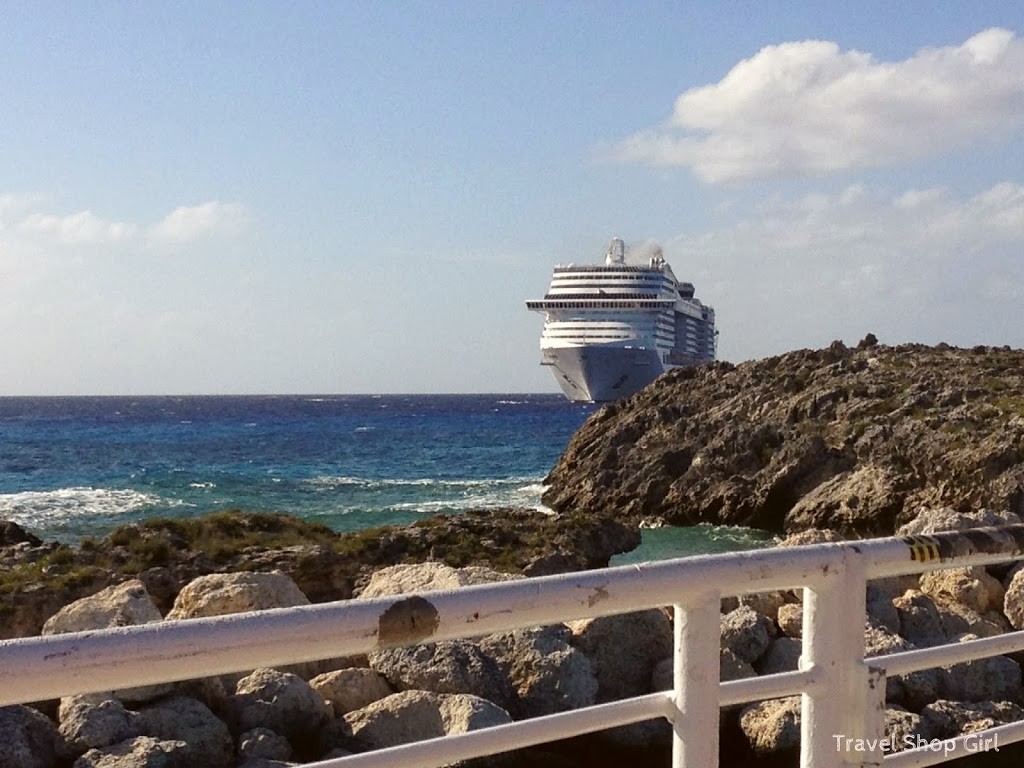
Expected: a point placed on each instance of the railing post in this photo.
(696, 682)
(836, 709)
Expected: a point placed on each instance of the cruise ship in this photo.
(610, 329)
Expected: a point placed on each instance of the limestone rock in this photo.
(350, 689)
(121, 605)
(208, 741)
(790, 619)
(772, 726)
(140, 752)
(746, 633)
(920, 622)
(451, 666)
(218, 594)
(281, 701)
(730, 667)
(411, 716)
(624, 649)
(914, 689)
(548, 674)
(765, 603)
(857, 440)
(905, 729)
(940, 519)
(86, 723)
(427, 577)
(264, 744)
(972, 587)
(996, 678)
(947, 719)
(28, 739)
(1013, 601)
(880, 609)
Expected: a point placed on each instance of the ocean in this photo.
(72, 467)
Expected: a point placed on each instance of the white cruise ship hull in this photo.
(602, 372)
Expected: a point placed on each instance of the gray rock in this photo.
(140, 752)
(881, 612)
(427, 577)
(972, 587)
(28, 739)
(451, 666)
(920, 622)
(265, 744)
(280, 701)
(765, 603)
(548, 674)
(783, 655)
(914, 689)
(416, 715)
(790, 619)
(219, 594)
(1013, 601)
(624, 650)
(948, 519)
(730, 667)
(996, 678)
(746, 633)
(188, 720)
(87, 724)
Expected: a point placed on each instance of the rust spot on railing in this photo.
(599, 594)
(407, 621)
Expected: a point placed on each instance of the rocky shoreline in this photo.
(824, 445)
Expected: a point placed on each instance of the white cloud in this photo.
(922, 265)
(84, 227)
(186, 224)
(808, 108)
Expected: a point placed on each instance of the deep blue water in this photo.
(71, 467)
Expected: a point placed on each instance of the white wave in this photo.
(512, 402)
(329, 481)
(202, 485)
(363, 429)
(42, 508)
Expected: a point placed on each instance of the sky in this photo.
(341, 197)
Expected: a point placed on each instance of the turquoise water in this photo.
(81, 466)
(665, 543)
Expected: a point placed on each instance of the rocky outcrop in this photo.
(165, 555)
(850, 439)
(29, 739)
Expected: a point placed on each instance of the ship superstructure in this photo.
(610, 329)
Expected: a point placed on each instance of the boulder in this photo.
(264, 744)
(772, 726)
(411, 716)
(218, 594)
(995, 678)
(948, 519)
(280, 701)
(86, 723)
(624, 649)
(140, 752)
(208, 741)
(947, 719)
(765, 603)
(920, 622)
(451, 666)
(914, 689)
(427, 577)
(350, 689)
(730, 667)
(547, 673)
(1013, 600)
(905, 729)
(121, 605)
(746, 633)
(29, 739)
(973, 587)
(783, 655)
(790, 619)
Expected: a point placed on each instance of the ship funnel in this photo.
(616, 252)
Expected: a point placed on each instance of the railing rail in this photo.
(842, 693)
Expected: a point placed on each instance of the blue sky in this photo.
(341, 197)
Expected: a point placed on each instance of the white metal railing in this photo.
(842, 694)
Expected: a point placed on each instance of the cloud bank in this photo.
(921, 265)
(808, 108)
